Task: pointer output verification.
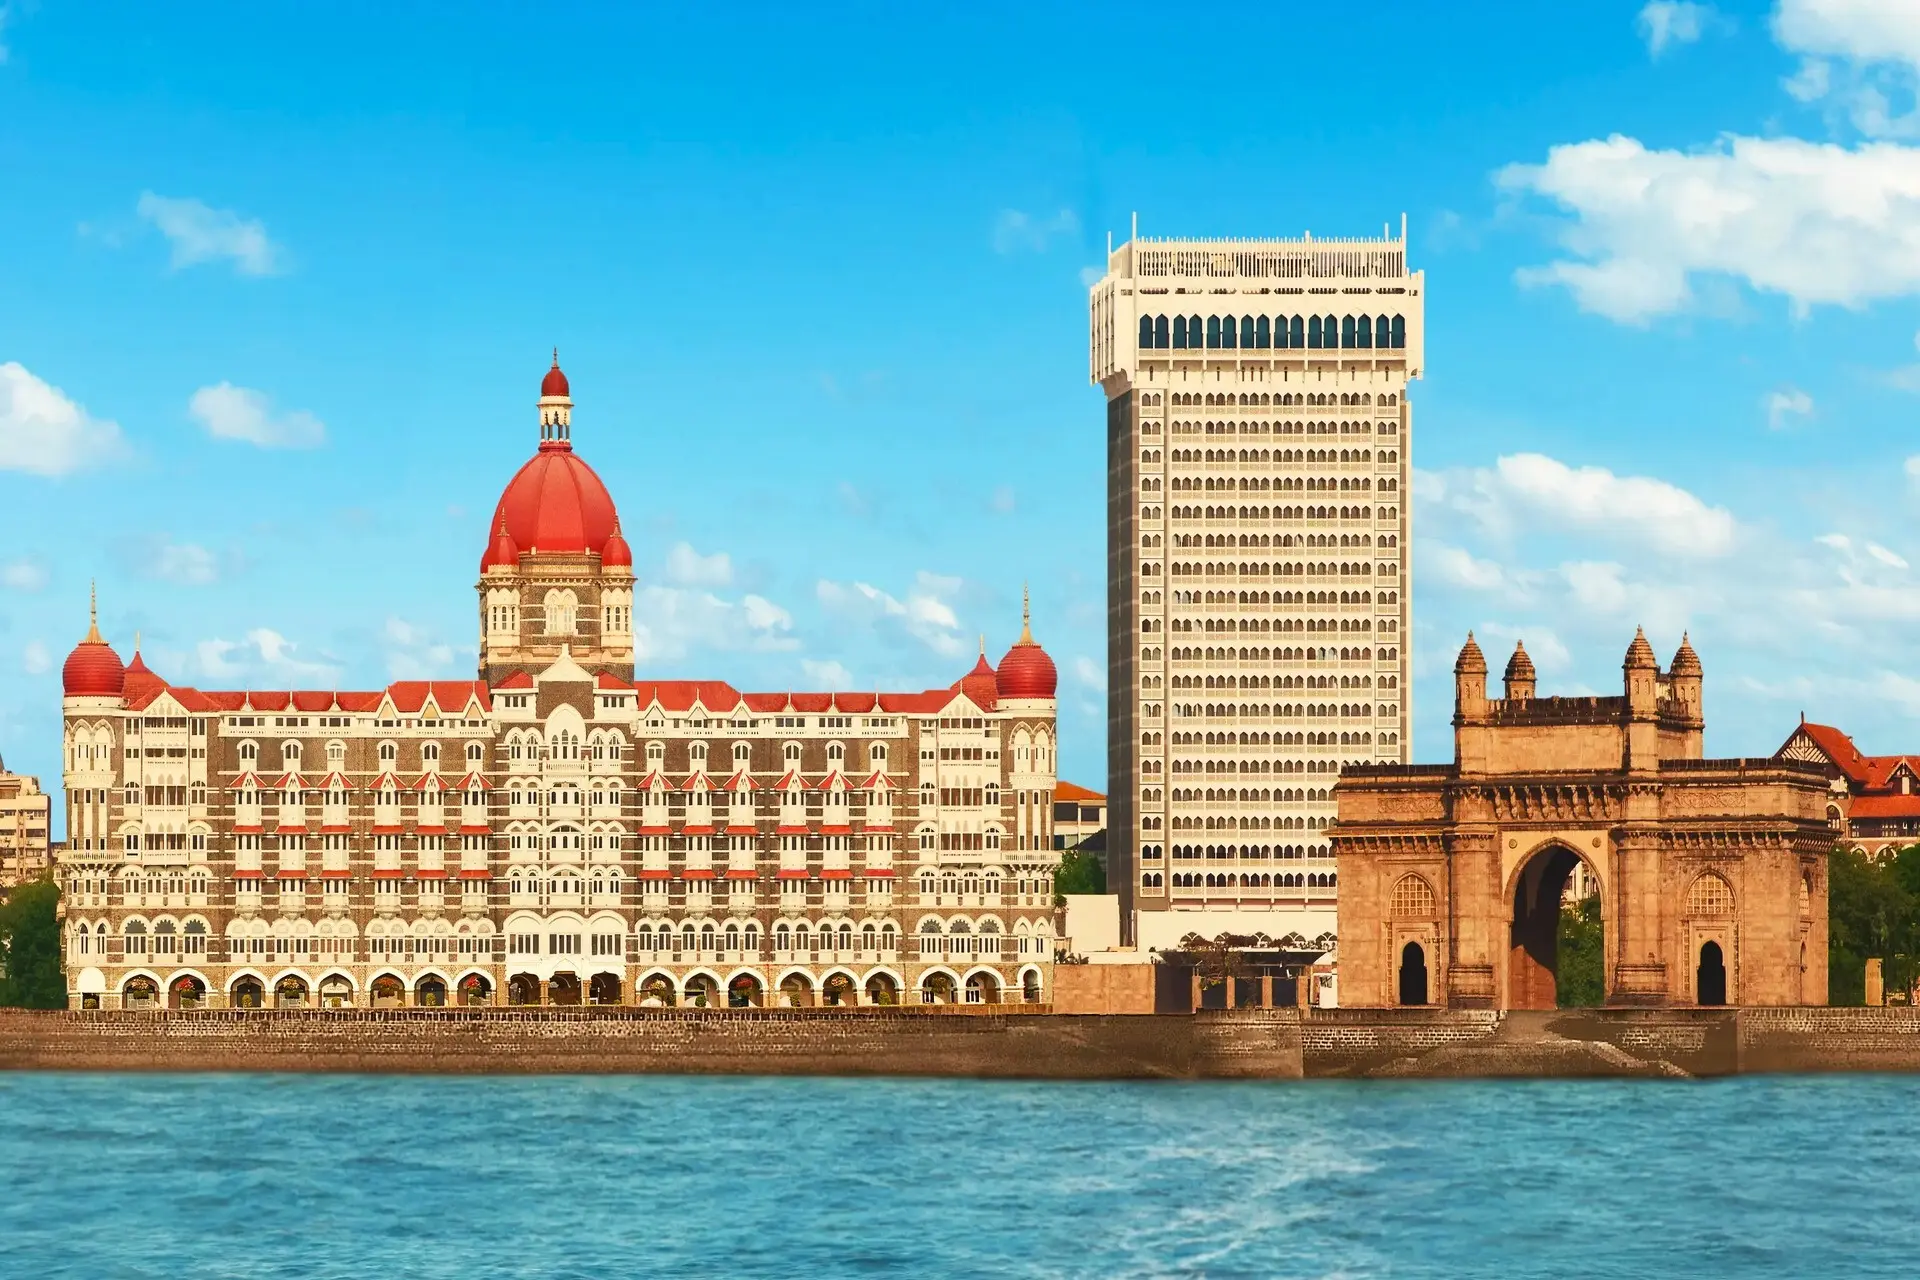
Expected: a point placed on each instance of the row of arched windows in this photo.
(1259, 333)
(1251, 880)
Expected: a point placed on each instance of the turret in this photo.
(556, 408)
(1642, 678)
(1685, 679)
(1520, 682)
(1469, 683)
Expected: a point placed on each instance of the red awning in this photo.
(291, 873)
(388, 873)
(656, 875)
(737, 874)
(885, 873)
(431, 873)
(835, 873)
(246, 873)
(476, 873)
(790, 873)
(697, 873)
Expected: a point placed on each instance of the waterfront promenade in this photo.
(1252, 1044)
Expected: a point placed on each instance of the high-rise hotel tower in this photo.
(1258, 482)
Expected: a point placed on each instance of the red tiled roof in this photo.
(793, 873)
(697, 873)
(1072, 792)
(1884, 806)
(518, 680)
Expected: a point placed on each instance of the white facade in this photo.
(1259, 474)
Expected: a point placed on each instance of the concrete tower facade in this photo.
(1258, 452)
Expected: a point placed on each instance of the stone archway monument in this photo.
(1711, 875)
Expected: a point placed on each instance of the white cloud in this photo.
(764, 615)
(23, 575)
(261, 654)
(827, 675)
(1003, 501)
(1784, 404)
(43, 432)
(672, 622)
(1533, 491)
(1665, 23)
(200, 233)
(35, 660)
(414, 654)
(238, 413)
(924, 615)
(1458, 567)
(1815, 222)
(690, 568)
(1015, 230)
(1089, 673)
(185, 564)
(1860, 55)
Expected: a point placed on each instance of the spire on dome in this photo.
(556, 408)
(93, 614)
(1026, 615)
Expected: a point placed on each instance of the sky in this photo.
(277, 289)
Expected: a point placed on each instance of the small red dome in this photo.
(503, 551)
(93, 669)
(555, 383)
(1027, 671)
(555, 504)
(140, 681)
(616, 554)
(980, 685)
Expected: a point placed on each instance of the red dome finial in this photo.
(1027, 671)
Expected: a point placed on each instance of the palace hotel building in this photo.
(1258, 454)
(558, 829)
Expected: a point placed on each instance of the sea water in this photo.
(106, 1176)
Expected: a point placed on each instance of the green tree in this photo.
(1079, 873)
(30, 976)
(1871, 911)
(1581, 965)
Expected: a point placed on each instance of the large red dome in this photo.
(93, 669)
(555, 504)
(1027, 671)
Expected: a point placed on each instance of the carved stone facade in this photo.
(1711, 873)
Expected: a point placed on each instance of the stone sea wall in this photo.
(1264, 1044)
(758, 1042)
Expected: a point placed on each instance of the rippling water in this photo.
(377, 1176)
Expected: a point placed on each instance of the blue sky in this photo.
(276, 294)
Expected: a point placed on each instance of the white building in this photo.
(1258, 465)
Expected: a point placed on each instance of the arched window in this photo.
(1365, 334)
(1180, 333)
(1710, 896)
(791, 753)
(1246, 331)
(1160, 332)
(1296, 340)
(1313, 333)
(1382, 332)
(1261, 335)
(1213, 331)
(1399, 332)
(1346, 333)
(1229, 334)
(1146, 331)
(389, 752)
(1413, 897)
